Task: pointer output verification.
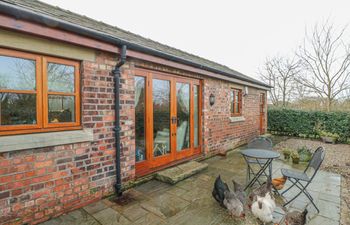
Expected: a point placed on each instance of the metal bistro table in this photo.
(263, 158)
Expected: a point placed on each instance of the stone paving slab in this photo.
(180, 172)
(190, 202)
(95, 207)
(109, 216)
(75, 217)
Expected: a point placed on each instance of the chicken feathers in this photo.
(296, 218)
(233, 204)
(263, 207)
(219, 190)
(239, 191)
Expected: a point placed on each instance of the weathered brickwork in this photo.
(37, 184)
(219, 133)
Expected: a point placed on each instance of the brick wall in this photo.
(220, 134)
(37, 184)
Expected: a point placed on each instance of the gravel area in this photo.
(337, 161)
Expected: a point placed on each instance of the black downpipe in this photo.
(116, 73)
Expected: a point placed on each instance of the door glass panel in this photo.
(183, 116)
(60, 78)
(17, 73)
(140, 152)
(196, 116)
(161, 117)
(17, 109)
(61, 109)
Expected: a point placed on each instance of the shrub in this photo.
(308, 123)
(287, 152)
(305, 154)
(295, 155)
(328, 134)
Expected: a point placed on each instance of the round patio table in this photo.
(263, 158)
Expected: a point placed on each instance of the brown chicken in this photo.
(278, 183)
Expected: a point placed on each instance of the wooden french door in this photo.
(262, 113)
(167, 119)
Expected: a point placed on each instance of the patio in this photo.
(190, 201)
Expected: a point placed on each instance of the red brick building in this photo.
(59, 122)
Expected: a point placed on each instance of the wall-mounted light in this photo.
(211, 99)
(246, 91)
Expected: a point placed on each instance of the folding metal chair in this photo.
(297, 177)
(259, 143)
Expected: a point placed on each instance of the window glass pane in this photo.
(17, 109)
(140, 119)
(61, 109)
(237, 102)
(196, 116)
(17, 73)
(183, 116)
(60, 77)
(161, 117)
(232, 95)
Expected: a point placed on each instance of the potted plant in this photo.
(304, 154)
(328, 137)
(286, 153)
(295, 157)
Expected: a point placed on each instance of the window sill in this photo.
(40, 140)
(234, 119)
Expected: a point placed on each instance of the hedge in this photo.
(308, 123)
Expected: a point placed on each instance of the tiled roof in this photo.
(83, 21)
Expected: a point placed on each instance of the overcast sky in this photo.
(239, 34)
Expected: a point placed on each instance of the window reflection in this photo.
(196, 114)
(140, 151)
(60, 77)
(17, 109)
(61, 109)
(17, 73)
(236, 101)
(161, 117)
(183, 116)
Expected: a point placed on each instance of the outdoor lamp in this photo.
(211, 99)
(246, 91)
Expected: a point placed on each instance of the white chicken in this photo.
(263, 207)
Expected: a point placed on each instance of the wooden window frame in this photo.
(42, 94)
(233, 102)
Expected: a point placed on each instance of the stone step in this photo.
(180, 172)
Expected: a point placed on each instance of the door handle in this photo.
(173, 119)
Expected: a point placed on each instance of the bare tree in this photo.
(300, 91)
(279, 72)
(325, 59)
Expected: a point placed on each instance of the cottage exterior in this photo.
(58, 113)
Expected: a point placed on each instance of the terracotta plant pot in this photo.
(286, 156)
(295, 160)
(330, 140)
